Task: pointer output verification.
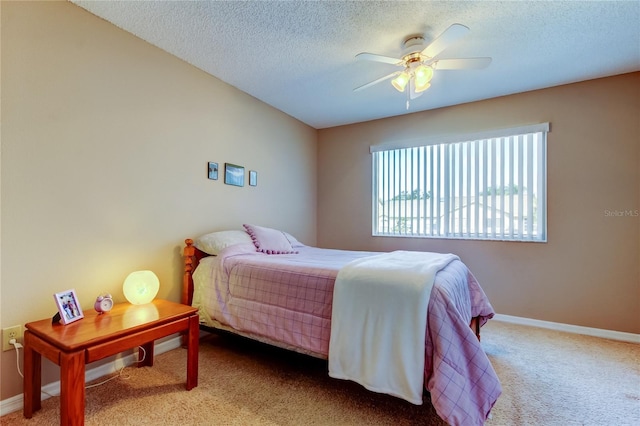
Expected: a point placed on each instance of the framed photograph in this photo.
(233, 174)
(213, 171)
(253, 178)
(68, 306)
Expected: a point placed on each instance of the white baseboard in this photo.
(577, 329)
(53, 389)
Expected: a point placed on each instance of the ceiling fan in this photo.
(418, 62)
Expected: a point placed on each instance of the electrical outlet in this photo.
(14, 332)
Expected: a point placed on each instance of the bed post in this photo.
(190, 258)
(189, 265)
(475, 326)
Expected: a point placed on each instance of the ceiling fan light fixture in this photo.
(420, 88)
(423, 75)
(400, 82)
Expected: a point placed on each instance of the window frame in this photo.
(517, 136)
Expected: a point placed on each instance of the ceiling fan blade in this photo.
(452, 34)
(462, 63)
(380, 80)
(364, 56)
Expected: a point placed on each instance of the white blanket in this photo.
(379, 320)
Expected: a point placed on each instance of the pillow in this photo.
(269, 241)
(214, 242)
(293, 240)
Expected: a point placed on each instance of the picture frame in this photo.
(68, 306)
(212, 170)
(233, 174)
(253, 178)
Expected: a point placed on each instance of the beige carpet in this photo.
(549, 378)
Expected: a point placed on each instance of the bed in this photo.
(264, 284)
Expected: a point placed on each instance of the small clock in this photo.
(103, 303)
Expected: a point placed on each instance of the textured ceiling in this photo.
(298, 56)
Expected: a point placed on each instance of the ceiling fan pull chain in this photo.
(408, 97)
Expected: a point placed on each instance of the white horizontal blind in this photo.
(489, 188)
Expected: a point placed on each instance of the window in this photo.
(489, 186)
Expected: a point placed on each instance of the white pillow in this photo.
(293, 240)
(214, 242)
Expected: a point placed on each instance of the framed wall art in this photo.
(233, 174)
(213, 171)
(253, 178)
(68, 306)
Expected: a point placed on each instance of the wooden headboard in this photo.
(191, 258)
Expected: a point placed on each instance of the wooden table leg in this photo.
(32, 376)
(72, 391)
(192, 352)
(147, 353)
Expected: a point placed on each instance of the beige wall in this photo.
(105, 143)
(588, 272)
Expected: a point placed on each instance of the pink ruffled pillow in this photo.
(269, 241)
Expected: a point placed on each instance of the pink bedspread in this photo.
(288, 299)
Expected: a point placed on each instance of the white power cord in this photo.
(17, 346)
(144, 355)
